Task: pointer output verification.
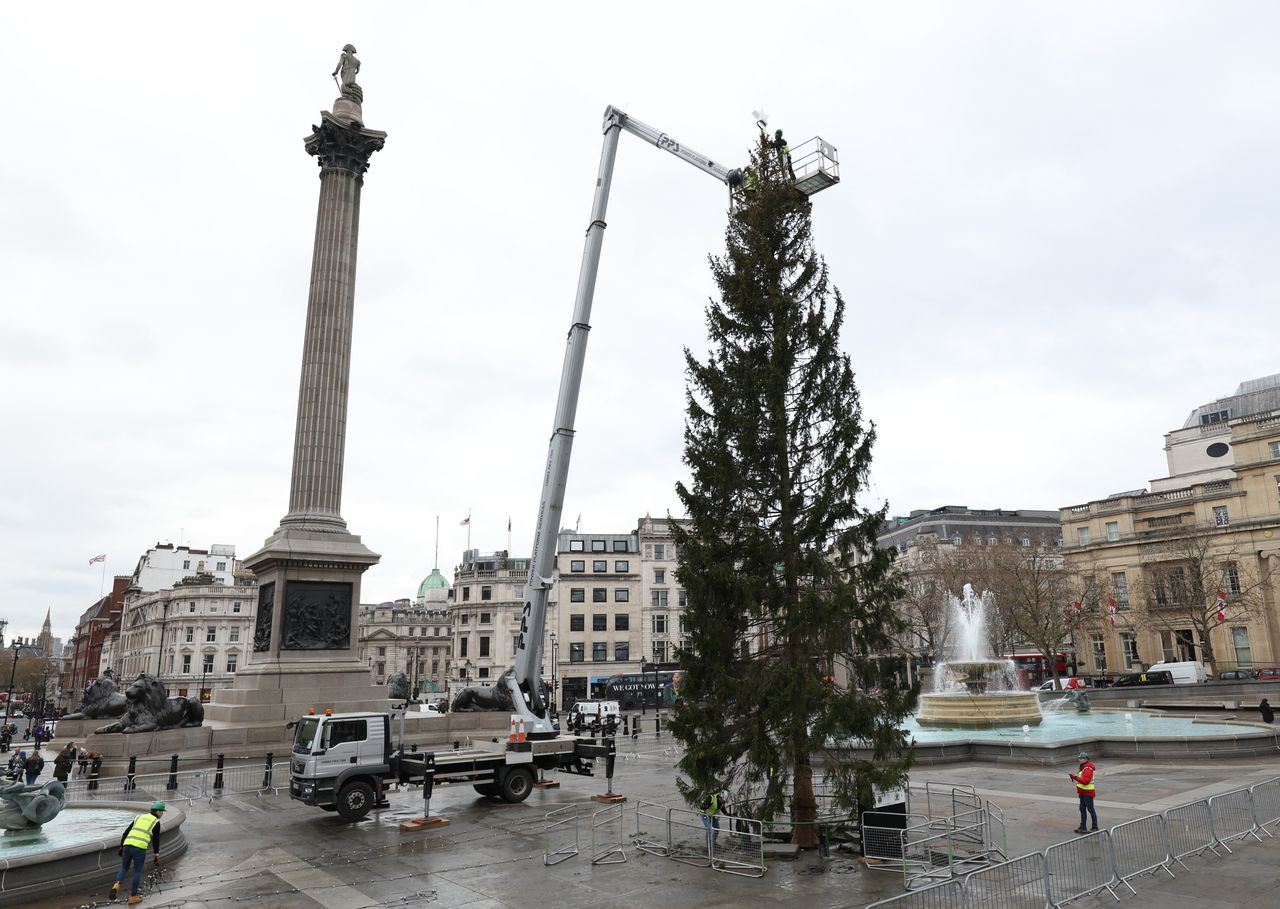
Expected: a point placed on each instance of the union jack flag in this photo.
(98, 558)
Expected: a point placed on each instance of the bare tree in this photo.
(1196, 581)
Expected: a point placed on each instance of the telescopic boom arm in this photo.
(524, 681)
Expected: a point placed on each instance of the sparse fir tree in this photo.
(787, 591)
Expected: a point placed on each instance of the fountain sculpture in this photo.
(973, 688)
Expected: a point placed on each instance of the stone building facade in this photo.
(488, 596)
(413, 637)
(1217, 510)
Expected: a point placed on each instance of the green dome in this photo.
(433, 581)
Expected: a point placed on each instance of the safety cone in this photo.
(512, 736)
(520, 736)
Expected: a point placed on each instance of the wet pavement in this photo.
(273, 853)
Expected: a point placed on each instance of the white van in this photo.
(1186, 673)
(595, 710)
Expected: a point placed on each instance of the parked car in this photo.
(1150, 677)
(1267, 674)
(1185, 672)
(1065, 683)
(1237, 675)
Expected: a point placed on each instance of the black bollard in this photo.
(626, 725)
(413, 747)
(266, 775)
(657, 726)
(217, 775)
(129, 783)
(173, 774)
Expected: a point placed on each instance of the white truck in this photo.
(342, 762)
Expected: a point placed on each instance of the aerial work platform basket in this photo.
(816, 166)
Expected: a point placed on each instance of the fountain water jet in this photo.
(973, 688)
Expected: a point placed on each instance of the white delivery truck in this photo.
(1184, 673)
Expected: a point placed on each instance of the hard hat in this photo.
(1084, 756)
(157, 806)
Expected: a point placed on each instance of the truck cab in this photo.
(339, 761)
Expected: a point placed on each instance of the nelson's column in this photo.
(309, 570)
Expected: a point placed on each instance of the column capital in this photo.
(343, 146)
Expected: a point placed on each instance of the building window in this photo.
(382, 651)
(515, 644)
(660, 623)
(577, 622)
(622, 622)
(619, 545)
(233, 635)
(466, 594)
(486, 592)
(598, 546)
(659, 550)
(1026, 541)
(1240, 641)
(191, 607)
(1113, 531)
(483, 672)
(1231, 578)
(1166, 647)
(186, 664)
(462, 646)
(955, 540)
(621, 566)
(599, 594)
(207, 665)
(599, 652)
(660, 651)
(1120, 584)
(191, 635)
(1275, 449)
(235, 607)
(577, 594)
(658, 599)
(1098, 647)
(576, 652)
(1129, 647)
(622, 651)
(659, 576)
(600, 566)
(464, 619)
(222, 566)
(682, 598)
(232, 662)
(576, 545)
(599, 622)
(186, 565)
(578, 565)
(1220, 518)
(1082, 534)
(211, 634)
(171, 662)
(485, 618)
(484, 645)
(621, 595)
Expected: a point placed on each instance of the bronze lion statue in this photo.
(150, 708)
(102, 700)
(478, 698)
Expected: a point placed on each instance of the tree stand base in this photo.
(424, 823)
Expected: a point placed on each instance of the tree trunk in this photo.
(804, 808)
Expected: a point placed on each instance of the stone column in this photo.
(305, 646)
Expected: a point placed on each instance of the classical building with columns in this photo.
(414, 637)
(1209, 529)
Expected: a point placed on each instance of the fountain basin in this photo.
(75, 851)
(979, 711)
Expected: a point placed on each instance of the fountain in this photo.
(973, 689)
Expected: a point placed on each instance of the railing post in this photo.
(657, 726)
(217, 774)
(266, 774)
(173, 774)
(130, 784)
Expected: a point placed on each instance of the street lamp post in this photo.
(17, 645)
(644, 699)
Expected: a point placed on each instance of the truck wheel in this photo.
(488, 790)
(354, 801)
(517, 784)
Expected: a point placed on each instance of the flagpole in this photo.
(508, 536)
(468, 528)
(437, 560)
(102, 588)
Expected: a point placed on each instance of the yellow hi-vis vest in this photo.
(140, 833)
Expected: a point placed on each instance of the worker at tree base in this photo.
(710, 808)
(143, 832)
(1086, 790)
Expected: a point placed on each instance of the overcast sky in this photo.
(1056, 233)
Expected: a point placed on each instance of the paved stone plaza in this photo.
(273, 853)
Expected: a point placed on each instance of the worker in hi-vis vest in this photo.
(143, 832)
(1086, 789)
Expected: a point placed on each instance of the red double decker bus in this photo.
(1033, 668)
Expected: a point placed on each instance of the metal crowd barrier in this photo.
(560, 835)
(930, 853)
(690, 840)
(1232, 817)
(946, 895)
(653, 828)
(1021, 883)
(606, 836)
(1190, 829)
(739, 847)
(1140, 847)
(1079, 868)
(1266, 803)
